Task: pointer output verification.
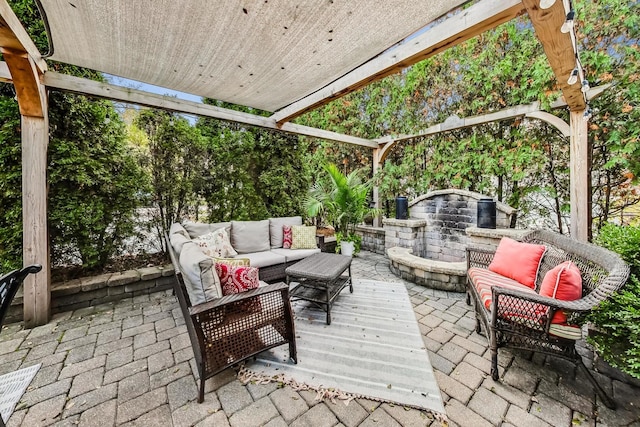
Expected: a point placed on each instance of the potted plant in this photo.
(343, 201)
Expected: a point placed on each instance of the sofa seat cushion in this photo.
(483, 280)
(295, 254)
(250, 236)
(264, 258)
(275, 228)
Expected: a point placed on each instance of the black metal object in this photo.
(486, 213)
(9, 285)
(402, 207)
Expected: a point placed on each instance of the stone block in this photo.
(123, 278)
(95, 282)
(65, 288)
(138, 286)
(150, 273)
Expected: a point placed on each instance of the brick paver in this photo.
(130, 363)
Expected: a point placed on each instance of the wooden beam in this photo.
(14, 36)
(558, 48)
(118, 93)
(580, 177)
(480, 17)
(24, 75)
(532, 111)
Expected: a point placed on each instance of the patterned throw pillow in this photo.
(216, 244)
(236, 262)
(303, 237)
(287, 237)
(236, 279)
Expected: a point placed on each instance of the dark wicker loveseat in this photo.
(602, 271)
(233, 328)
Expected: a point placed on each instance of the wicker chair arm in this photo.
(248, 296)
(579, 305)
(479, 257)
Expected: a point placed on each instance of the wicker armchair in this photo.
(603, 272)
(9, 285)
(233, 328)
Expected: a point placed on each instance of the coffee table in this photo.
(320, 279)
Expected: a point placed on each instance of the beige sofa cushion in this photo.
(178, 236)
(199, 274)
(196, 229)
(250, 236)
(264, 258)
(275, 228)
(295, 254)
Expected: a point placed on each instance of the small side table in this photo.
(321, 279)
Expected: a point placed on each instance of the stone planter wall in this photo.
(486, 238)
(373, 238)
(405, 233)
(90, 291)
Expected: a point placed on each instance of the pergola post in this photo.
(580, 176)
(32, 101)
(375, 194)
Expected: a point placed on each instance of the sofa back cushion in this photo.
(275, 228)
(250, 236)
(518, 261)
(199, 274)
(178, 236)
(197, 229)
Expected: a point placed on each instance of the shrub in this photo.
(618, 318)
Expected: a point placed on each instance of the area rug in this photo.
(12, 387)
(373, 349)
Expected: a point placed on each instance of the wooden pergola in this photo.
(278, 56)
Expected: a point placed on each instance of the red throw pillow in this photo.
(518, 261)
(287, 237)
(236, 279)
(563, 282)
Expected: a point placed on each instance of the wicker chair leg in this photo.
(468, 298)
(608, 402)
(202, 379)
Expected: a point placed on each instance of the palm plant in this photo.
(342, 201)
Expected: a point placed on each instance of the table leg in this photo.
(350, 280)
(328, 304)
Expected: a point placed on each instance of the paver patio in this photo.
(130, 363)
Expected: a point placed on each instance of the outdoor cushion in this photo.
(563, 282)
(178, 238)
(250, 236)
(295, 254)
(286, 237)
(233, 261)
(236, 279)
(275, 228)
(198, 270)
(303, 237)
(565, 331)
(483, 280)
(264, 259)
(216, 244)
(518, 261)
(196, 229)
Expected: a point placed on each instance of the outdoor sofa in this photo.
(534, 294)
(228, 318)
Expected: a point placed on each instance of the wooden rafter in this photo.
(14, 36)
(118, 93)
(558, 48)
(475, 20)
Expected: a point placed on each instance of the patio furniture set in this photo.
(231, 315)
(521, 292)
